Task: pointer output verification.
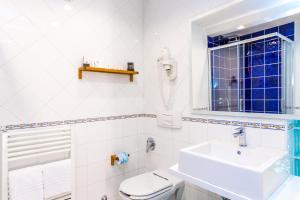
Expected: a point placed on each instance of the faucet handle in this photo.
(241, 128)
(150, 146)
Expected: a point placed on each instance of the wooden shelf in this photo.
(106, 70)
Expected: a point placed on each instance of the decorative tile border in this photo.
(121, 117)
(236, 123)
(69, 122)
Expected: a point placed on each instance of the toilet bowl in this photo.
(156, 185)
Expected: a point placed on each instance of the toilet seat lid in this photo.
(145, 185)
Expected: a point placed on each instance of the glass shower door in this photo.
(287, 80)
(227, 79)
(254, 76)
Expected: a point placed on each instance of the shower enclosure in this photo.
(253, 75)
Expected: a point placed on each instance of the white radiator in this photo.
(27, 145)
(28, 148)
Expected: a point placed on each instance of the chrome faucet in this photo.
(241, 133)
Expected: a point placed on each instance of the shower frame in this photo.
(243, 42)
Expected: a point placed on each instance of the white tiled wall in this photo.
(41, 45)
(169, 142)
(167, 23)
(95, 142)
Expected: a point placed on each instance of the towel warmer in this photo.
(28, 148)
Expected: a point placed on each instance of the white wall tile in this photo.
(9, 47)
(81, 177)
(275, 139)
(7, 12)
(96, 172)
(95, 191)
(167, 23)
(93, 149)
(97, 151)
(81, 155)
(41, 45)
(254, 137)
(182, 134)
(198, 133)
(22, 31)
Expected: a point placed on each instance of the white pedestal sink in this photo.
(232, 171)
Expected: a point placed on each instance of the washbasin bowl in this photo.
(251, 173)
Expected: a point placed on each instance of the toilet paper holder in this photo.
(114, 158)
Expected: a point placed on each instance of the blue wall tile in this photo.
(257, 59)
(258, 33)
(262, 71)
(272, 45)
(248, 106)
(272, 105)
(272, 30)
(258, 82)
(258, 94)
(287, 29)
(248, 62)
(258, 71)
(272, 57)
(272, 69)
(248, 83)
(216, 39)
(272, 81)
(258, 105)
(257, 48)
(292, 37)
(245, 37)
(272, 93)
(248, 73)
(210, 45)
(248, 49)
(248, 93)
(224, 41)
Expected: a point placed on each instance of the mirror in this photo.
(243, 62)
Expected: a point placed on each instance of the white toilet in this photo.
(156, 185)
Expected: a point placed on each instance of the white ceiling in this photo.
(248, 13)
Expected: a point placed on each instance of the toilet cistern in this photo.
(241, 133)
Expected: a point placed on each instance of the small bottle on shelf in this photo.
(85, 62)
(130, 66)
